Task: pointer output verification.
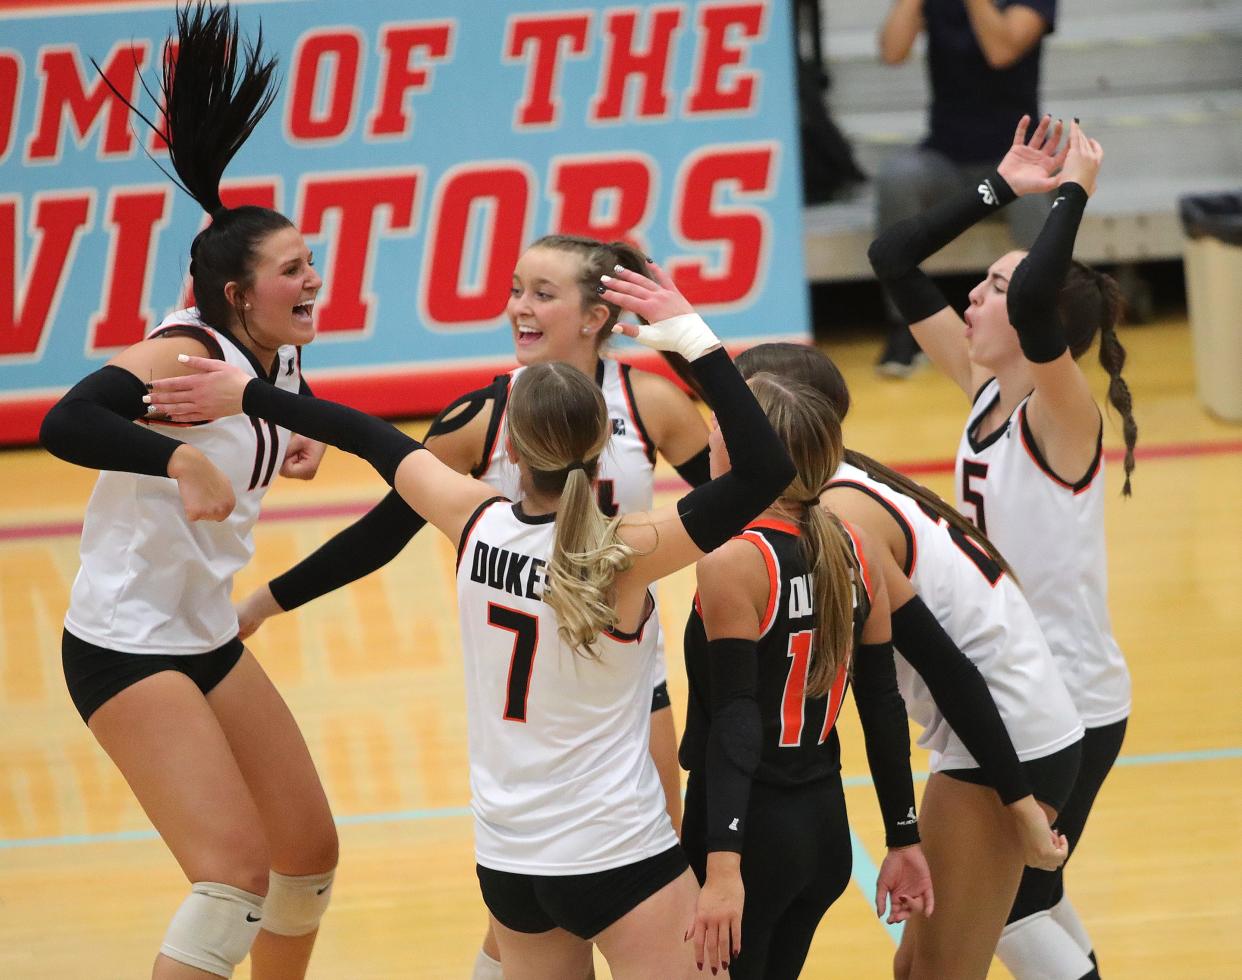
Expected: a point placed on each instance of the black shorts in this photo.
(95, 674)
(1051, 776)
(586, 904)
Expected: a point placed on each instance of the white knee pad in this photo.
(486, 968)
(1037, 948)
(295, 905)
(1065, 915)
(214, 928)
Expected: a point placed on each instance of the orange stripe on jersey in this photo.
(774, 577)
(772, 524)
(862, 561)
(624, 371)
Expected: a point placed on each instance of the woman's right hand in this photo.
(1029, 165)
(254, 610)
(1082, 165)
(672, 324)
(1042, 846)
(206, 492)
(214, 393)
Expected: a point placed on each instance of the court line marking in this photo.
(453, 812)
(353, 508)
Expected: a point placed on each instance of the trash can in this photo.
(1213, 227)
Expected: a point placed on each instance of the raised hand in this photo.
(1029, 165)
(672, 324)
(211, 394)
(1083, 158)
(1042, 846)
(206, 493)
(905, 882)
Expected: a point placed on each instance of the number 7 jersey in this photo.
(561, 778)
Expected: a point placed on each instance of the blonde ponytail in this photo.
(808, 426)
(558, 425)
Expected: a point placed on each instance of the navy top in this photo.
(975, 107)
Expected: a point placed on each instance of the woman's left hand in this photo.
(211, 394)
(717, 926)
(905, 881)
(302, 458)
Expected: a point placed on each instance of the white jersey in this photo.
(626, 469)
(984, 612)
(561, 776)
(150, 580)
(1052, 534)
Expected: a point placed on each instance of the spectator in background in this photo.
(983, 66)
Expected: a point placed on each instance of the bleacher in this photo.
(1158, 82)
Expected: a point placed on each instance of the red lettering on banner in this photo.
(715, 53)
(606, 197)
(10, 88)
(398, 76)
(356, 198)
(742, 232)
(479, 202)
(548, 35)
(325, 61)
(27, 313)
(649, 68)
(65, 91)
(134, 216)
(156, 143)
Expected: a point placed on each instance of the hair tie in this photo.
(577, 464)
(813, 502)
(218, 213)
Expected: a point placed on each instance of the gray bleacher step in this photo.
(841, 15)
(1129, 219)
(1146, 51)
(1187, 133)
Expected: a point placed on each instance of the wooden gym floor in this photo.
(371, 673)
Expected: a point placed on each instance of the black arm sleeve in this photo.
(1036, 282)
(896, 254)
(373, 540)
(696, 470)
(368, 544)
(734, 741)
(93, 425)
(382, 445)
(717, 510)
(962, 695)
(887, 735)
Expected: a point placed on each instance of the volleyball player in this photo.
(151, 653)
(785, 614)
(573, 842)
(975, 674)
(1029, 465)
(556, 313)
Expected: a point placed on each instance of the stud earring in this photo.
(585, 331)
(247, 306)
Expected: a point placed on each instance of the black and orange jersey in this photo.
(800, 743)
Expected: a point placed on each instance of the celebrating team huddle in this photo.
(819, 572)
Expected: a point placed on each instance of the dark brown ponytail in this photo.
(1090, 302)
